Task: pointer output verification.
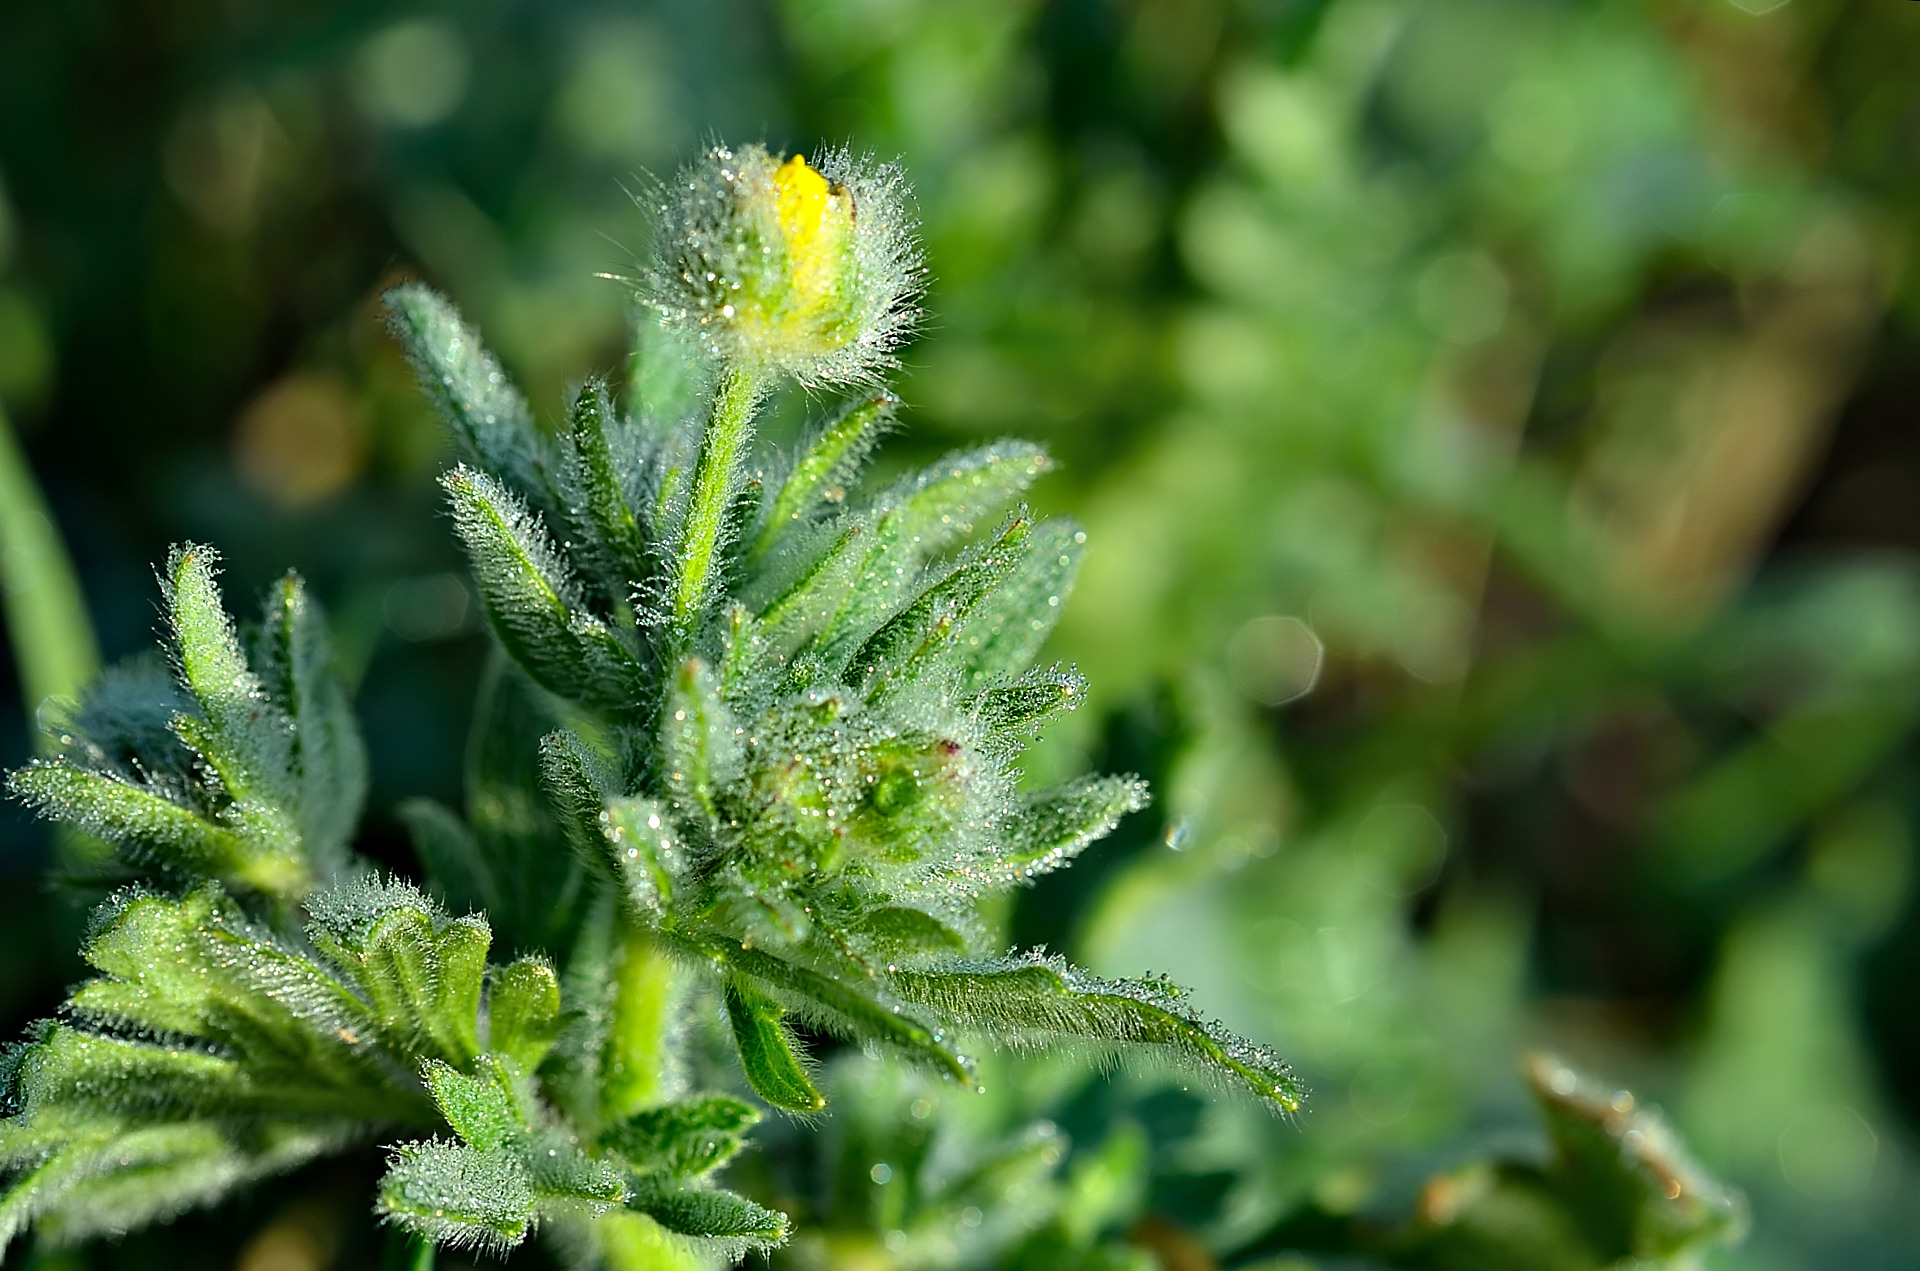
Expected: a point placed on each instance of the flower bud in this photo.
(783, 269)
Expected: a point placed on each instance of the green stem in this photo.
(729, 428)
(407, 1253)
(46, 614)
(638, 1042)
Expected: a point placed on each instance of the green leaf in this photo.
(244, 734)
(457, 1196)
(698, 747)
(52, 637)
(808, 605)
(1052, 826)
(1004, 632)
(925, 627)
(479, 1109)
(458, 873)
(113, 1180)
(946, 502)
(826, 466)
(294, 1028)
(854, 1007)
(578, 781)
(559, 1171)
(155, 831)
(1019, 709)
(1623, 1172)
(1037, 999)
(532, 599)
(686, 1138)
(523, 1011)
(919, 517)
(537, 881)
(668, 375)
(329, 761)
(421, 972)
(615, 547)
(488, 417)
(766, 1050)
(709, 1214)
(902, 932)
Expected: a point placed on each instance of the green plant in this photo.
(747, 754)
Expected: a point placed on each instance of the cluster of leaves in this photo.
(904, 1177)
(749, 748)
(803, 783)
(225, 1040)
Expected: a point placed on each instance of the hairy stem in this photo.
(729, 428)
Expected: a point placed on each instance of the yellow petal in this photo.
(813, 218)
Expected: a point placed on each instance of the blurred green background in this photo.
(1496, 422)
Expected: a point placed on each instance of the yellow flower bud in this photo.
(782, 268)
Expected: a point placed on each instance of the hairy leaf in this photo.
(487, 415)
(821, 472)
(686, 1138)
(1039, 999)
(767, 1051)
(458, 1196)
(523, 1011)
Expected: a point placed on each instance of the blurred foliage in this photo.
(1491, 421)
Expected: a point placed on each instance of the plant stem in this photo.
(729, 428)
(638, 1048)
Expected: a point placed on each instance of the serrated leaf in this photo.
(1043, 999)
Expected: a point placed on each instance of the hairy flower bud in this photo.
(780, 268)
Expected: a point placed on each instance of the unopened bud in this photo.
(785, 269)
